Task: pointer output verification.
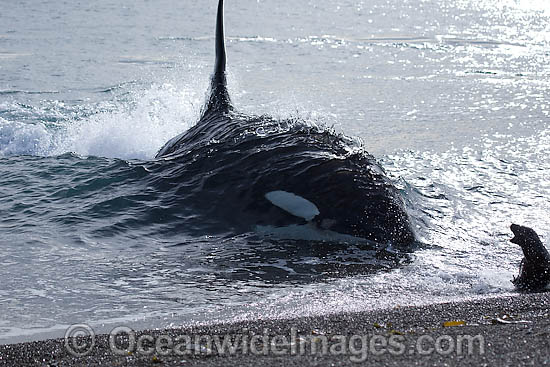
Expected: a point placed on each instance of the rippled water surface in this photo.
(450, 96)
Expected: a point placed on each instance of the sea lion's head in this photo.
(529, 241)
(523, 235)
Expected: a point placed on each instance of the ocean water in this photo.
(452, 97)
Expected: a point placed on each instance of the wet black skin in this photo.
(228, 162)
(534, 272)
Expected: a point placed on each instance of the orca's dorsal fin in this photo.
(219, 100)
(220, 42)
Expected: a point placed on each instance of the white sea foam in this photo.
(133, 128)
(135, 131)
(23, 138)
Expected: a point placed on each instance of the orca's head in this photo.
(347, 219)
(388, 228)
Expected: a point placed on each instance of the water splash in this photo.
(133, 126)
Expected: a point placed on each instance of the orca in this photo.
(283, 178)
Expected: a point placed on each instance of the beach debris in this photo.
(508, 319)
(396, 332)
(454, 323)
(504, 321)
(498, 320)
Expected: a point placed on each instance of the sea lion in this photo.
(534, 272)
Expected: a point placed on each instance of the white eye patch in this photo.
(293, 204)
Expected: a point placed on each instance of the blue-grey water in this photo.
(452, 97)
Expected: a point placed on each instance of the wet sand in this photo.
(502, 331)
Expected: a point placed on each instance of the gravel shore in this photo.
(502, 331)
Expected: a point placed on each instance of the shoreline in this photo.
(508, 330)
